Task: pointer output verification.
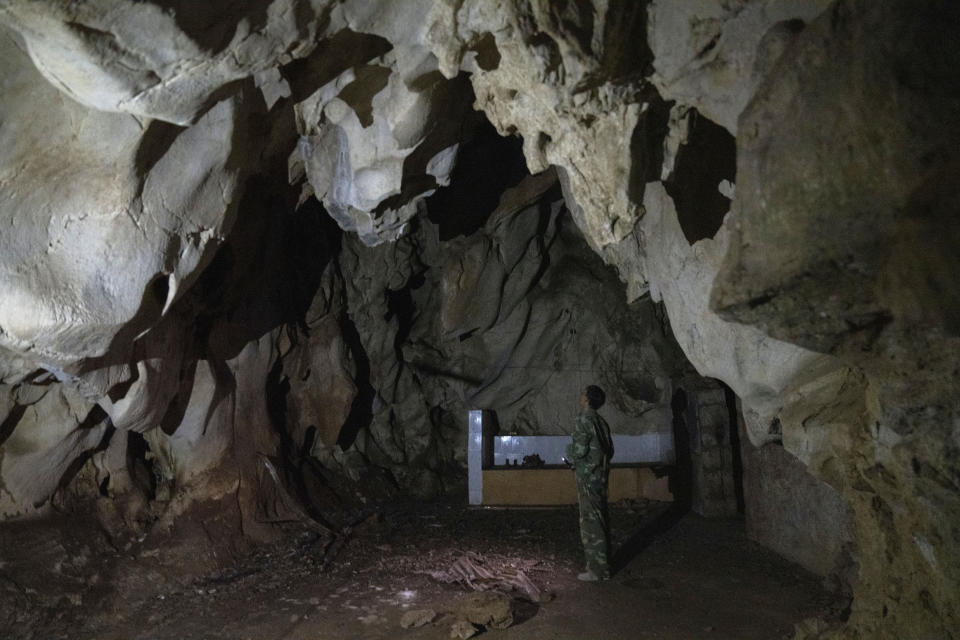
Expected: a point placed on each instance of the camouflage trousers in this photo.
(594, 522)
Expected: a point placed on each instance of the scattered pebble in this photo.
(462, 629)
(417, 618)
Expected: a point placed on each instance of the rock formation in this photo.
(259, 258)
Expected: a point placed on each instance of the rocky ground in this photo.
(677, 578)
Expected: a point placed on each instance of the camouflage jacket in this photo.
(592, 445)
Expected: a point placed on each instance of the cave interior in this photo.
(298, 297)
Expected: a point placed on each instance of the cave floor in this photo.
(678, 578)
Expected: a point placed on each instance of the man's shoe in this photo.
(588, 576)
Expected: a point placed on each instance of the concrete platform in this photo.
(557, 486)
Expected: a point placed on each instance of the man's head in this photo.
(594, 396)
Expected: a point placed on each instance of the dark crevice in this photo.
(160, 288)
(681, 483)
(11, 421)
(707, 48)
(625, 55)
(311, 239)
(119, 390)
(139, 468)
(400, 305)
(157, 139)
(173, 416)
(343, 50)
(213, 24)
(545, 209)
(488, 56)
(104, 486)
(94, 417)
(297, 473)
(656, 126)
(737, 457)
(368, 82)
(626, 58)
(487, 165)
(708, 157)
(361, 410)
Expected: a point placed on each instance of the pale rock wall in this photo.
(800, 517)
(161, 61)
(378, 138)
(114, 216)
(712, 54)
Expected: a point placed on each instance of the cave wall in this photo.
(800, 517)
(496, 319)
(169, 266)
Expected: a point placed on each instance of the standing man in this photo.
(590, 455)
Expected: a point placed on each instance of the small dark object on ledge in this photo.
(533, 460)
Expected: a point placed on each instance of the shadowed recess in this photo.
(487, 165)
(708, 157)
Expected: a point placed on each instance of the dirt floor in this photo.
(677, 578)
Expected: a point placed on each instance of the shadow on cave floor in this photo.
(696, 579)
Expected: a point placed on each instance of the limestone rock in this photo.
(417, 618)
(463, 629)
(374, 142)
(834, 316)
(321, 380)
(489, 609)
(874, 150)
(799, 516)
(114, 216)
(711, 54)
(561, 76)
(204, 433)
(868, 275)
(759, 369)
(51, 427)
(158, 59)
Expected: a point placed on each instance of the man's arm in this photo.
(579, 449)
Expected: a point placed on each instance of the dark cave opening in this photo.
(487, 165)
(139, 467)
(361, 409)
(708, 157)
(683, 470)
(735, 447)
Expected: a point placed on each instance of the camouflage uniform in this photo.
(590, 454)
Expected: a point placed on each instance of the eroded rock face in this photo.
(161, 60)
(563, 76)
(866, 202)
(378, 138)
(497, 319)
(873, 197)
(711, 54)
(113, 216)
(56, 426)
(759, 369)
